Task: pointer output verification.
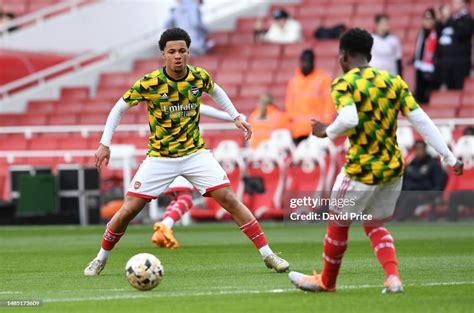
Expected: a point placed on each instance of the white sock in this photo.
(265, 251)
(168, 221)
(103, 255)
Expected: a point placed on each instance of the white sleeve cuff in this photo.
(221, 98)
(425, 126)
(347, 118)
(112, 121)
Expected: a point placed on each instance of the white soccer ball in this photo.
(144, 271)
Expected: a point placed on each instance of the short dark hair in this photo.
(356, 41)
(307, 55)
(173, 34)
(380, 17)
(419, 142)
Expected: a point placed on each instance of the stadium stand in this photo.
(245, 70)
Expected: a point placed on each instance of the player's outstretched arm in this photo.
(346, 119)
(215, 113)
(431, 134)
(103, 152)
(221, 98)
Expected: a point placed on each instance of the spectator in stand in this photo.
(187, 15)
(308, 96)
(283, 29)
(387, 50)
(454, 44)
(265, 119)
(424, 59)
(423, 182)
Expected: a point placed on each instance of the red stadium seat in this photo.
(440, 112)
(33, 120)
(44, 143)
(369, 10)
(399, 9)
(310, 23)
(284, 75)
(224, 76)
(261, 64)
(92, 119)
(14, 142)
(116, 79)
(241, 38)
(267, 205)
(260, 77)
(331, 20)
(93, 106)
(110, 94)
(78, 93)
(466, 112)
(302, 180)
(363, 22)
(294, 50)
(9, 119)
(73, 143)
(315, 10)
(339, 10)
(445, 99)
(41, 106)
(69, 106)
(268, 51)
(220, 38)
(329, 48)
(127, 118)
(209, 63)
(235, 64)
(246, 25)
(62, 119)
(148, 65)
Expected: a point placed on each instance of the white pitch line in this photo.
(10, 292)
(173, 294)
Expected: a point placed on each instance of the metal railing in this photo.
(143, 129)
(42, 14)
(107, 54)
(85, 130)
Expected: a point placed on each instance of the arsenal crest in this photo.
(195, 91)
(137, 185)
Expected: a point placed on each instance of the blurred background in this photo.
(64, 64)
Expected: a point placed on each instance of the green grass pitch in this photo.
(218, 270)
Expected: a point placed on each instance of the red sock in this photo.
(110, 238)
(253, 231)
(382, 243)
(177, 208)
(335, 244)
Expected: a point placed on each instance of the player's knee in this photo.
(228, 199)
(130, 209)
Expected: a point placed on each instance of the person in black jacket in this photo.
(454, 44)
(424, 59)
(423, 182)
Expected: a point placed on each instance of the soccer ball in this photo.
(144, 271)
